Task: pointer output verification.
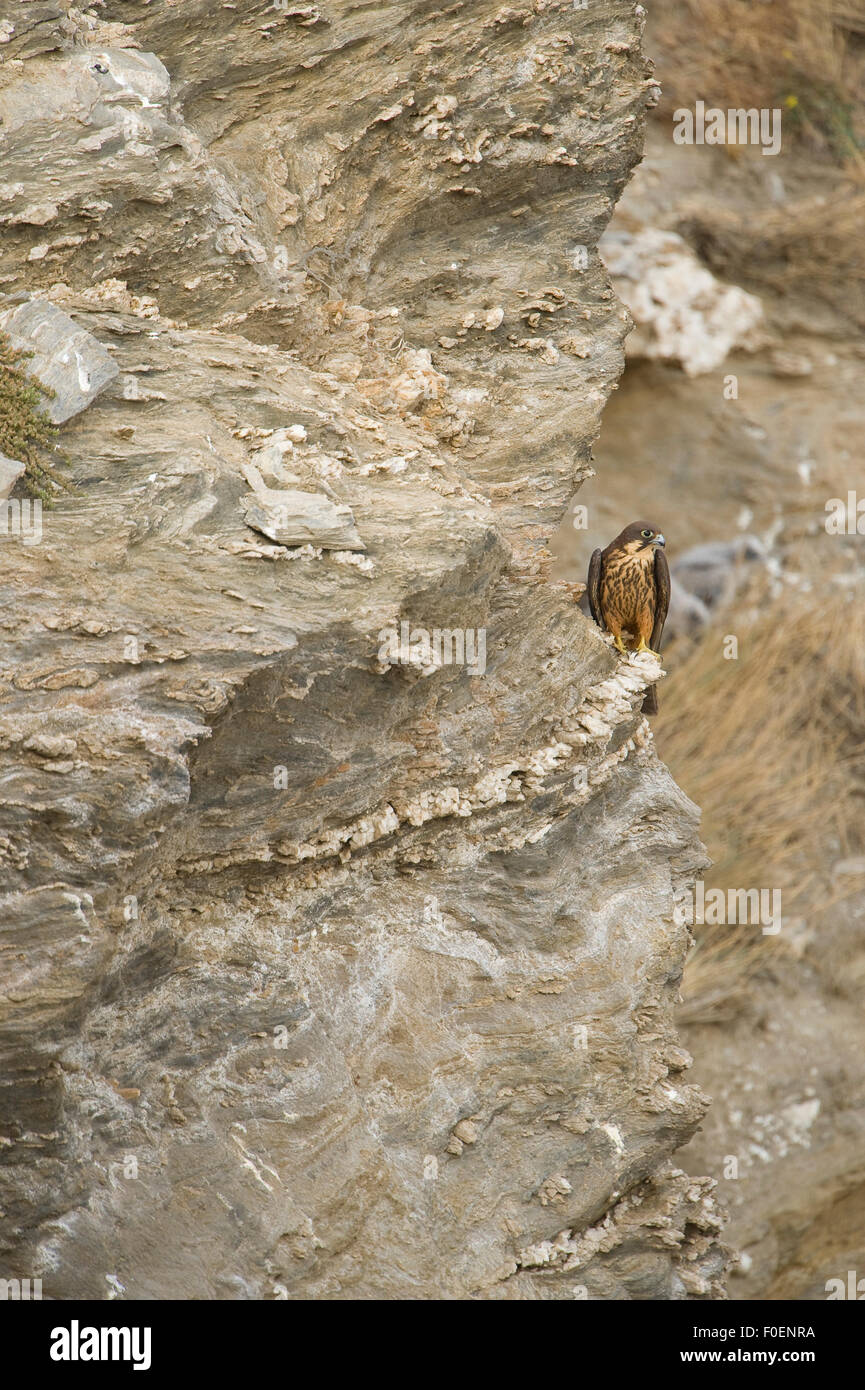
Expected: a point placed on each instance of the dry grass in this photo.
(771, 746)
(719, 972)
(813, 247)
(807, 56)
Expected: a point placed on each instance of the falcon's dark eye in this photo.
(647, 535)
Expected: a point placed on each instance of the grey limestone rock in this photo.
(65, 357)
(322, 979)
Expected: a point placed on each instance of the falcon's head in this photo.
(641, 536)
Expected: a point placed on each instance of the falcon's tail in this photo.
(650, 700)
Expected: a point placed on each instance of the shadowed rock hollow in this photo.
(327, 971)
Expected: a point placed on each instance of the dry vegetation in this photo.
(26, 433)
(806, 57)
(813, 249)
(771, 746)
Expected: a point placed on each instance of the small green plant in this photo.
(817, 110)
(26, 433)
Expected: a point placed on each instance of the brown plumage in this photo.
(629, 592)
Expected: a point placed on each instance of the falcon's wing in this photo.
(662, 597)
(593, 587)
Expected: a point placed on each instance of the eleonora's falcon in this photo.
(629, 592)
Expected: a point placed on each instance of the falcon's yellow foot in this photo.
(644, 647)
(620, 646)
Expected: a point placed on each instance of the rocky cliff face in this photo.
(338, 867)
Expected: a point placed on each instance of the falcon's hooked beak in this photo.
(659, 540)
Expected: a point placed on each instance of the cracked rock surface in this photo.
(327, 972)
